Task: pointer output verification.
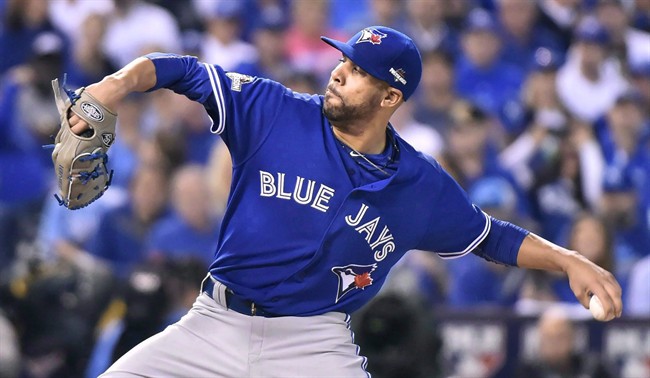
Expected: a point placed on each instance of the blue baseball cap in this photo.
(386, 54)
(480, 20)
(591, 31)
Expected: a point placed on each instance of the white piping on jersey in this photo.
(218, 96)
(479, 239)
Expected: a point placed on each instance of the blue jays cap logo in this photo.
(371, 35)
(353, 277)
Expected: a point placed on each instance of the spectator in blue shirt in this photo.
(483, 77)
(471, 151)
(122, 232)
(190, 230)
(437, 93)
(28, 119)
(521, 34)
(271, 61)
(24, 21)
(624, 135)
(470, 158)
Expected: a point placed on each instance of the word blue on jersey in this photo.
(298, 238)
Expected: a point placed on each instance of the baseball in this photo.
(597, 309)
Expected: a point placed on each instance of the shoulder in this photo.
(419, 166)
(310, 100)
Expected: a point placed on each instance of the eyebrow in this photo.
(361, 70)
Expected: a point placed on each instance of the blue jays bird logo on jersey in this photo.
(353, 277)
(371, 35)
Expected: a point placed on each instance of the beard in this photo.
(343, 114)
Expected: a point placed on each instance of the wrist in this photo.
(137, 76)
(111, 90)
(569, 259)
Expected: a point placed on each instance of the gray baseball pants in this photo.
(212, 341)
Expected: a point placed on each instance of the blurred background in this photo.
(540, 109)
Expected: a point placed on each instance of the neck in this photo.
(591, 73)
(366, 141)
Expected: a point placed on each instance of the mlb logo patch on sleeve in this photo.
(238, 79)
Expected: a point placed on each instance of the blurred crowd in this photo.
(540, 109)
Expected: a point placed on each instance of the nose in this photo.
(337, 74)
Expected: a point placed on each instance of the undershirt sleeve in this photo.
(502, 243)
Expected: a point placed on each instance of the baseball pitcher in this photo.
(325, 198)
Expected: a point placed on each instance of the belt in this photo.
(236, 303)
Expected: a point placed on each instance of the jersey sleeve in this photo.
(242, 108)
(457, 226)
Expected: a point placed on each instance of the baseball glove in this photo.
(80, 160)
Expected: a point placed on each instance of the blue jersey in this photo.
(298, 236)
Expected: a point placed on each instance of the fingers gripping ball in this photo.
(597, 310)
(80, 161)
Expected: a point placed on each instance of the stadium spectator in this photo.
(557, 355)
(437, 92)
(591, 235)
(471, 151)
(65, 234)
(456, 13)
(423, 137)
(483, 78)
(429, 28)
(223, 44)
(179, 127)
(568, 183)
(125, 151)
(560, 18)
(521, 34)
(89, 62)
(59, 14)
(191, 230)
(309, 22)
(591, 79)
(624, 136)
(541, 290)
(629, 45)
(122, 233)
(545, 122)
(28, 119)
(24, 21)
(137, 27)
(268, 38)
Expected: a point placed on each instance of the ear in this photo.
(393, 98)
